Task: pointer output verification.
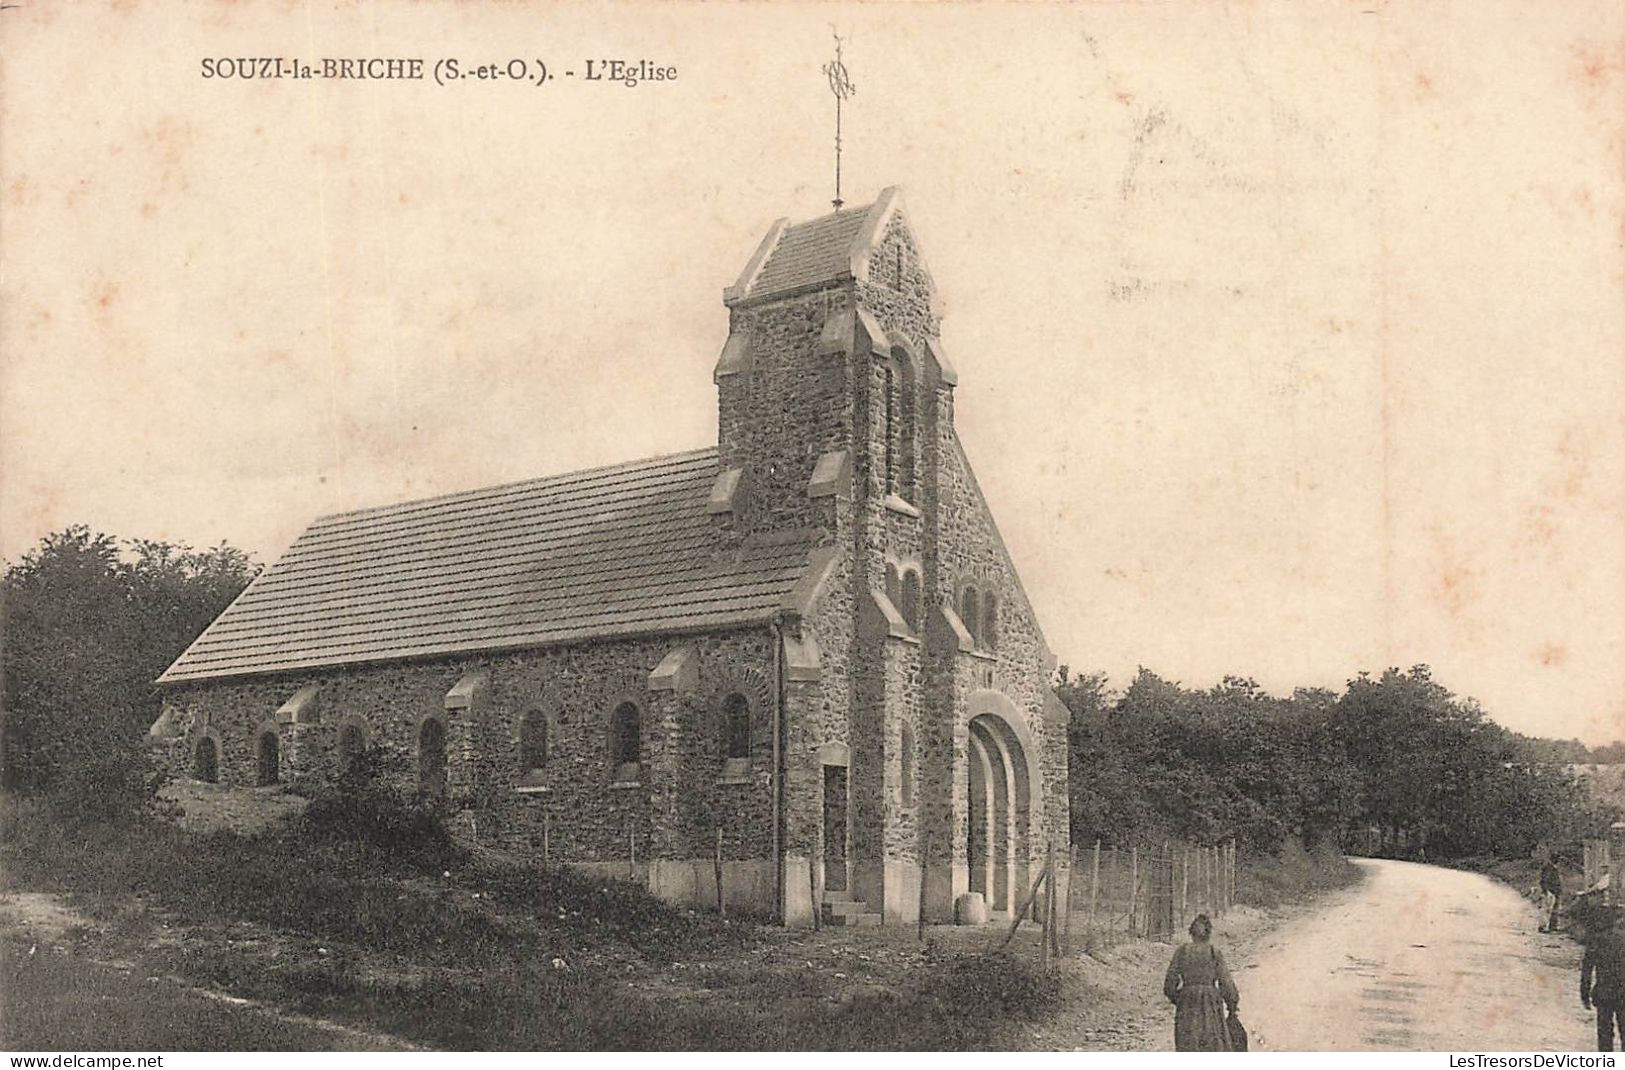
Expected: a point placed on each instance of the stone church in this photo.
(804, 649)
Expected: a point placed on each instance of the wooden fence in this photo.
(1151, 893)
(1107, 895)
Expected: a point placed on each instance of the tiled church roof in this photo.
(610, 551)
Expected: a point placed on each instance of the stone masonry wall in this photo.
(791, 407)
(674, 810)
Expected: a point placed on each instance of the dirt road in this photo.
(1416, 958)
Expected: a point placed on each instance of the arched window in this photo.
(270, 759)
(910, 607)
(893, 589)
(970, 613)
(907, 422)
(432, 757)
(626, 742)
(990, 621)
(736, 735)
(352, 744)
(532, 740)
(736, 724)
(889, 429)
(908, 765)
(206, 761)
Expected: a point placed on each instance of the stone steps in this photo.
(841, 910)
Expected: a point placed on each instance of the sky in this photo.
(1291, 339)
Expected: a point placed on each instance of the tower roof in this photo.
(796, 257)
(816, 251)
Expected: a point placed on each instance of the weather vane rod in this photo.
(841, 85)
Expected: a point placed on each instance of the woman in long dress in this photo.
(1199, 985)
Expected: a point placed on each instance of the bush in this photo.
(997, 985)
(1292, 873)
(365, 806)
(90, 621)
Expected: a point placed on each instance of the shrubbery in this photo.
(366, 807)
(90, 621)
(1001, 986)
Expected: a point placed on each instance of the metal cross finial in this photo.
(841, 85)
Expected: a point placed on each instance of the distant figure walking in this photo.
(1199, 986)
(1602, 973)
(1551, 890)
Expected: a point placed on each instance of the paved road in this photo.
(1416, 958)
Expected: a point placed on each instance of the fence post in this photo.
(1165, 909)
(1071, 894)
(1094, 890)
(716, 863)
(1230, 892)
(1133, 886)
(1047, 936)
(1185, 883)
(815, 872)
(1230, 875)
(1113, 886)
(1055, 903)
(1206, 894)
(631, 851)
(1032, 897)
(547, 820)
(919, 933)
(1116, 884)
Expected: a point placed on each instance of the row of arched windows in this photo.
(206, 754)
(267, 759)
(533, 743)
(978, 610)
(626, 738)
(903, 588)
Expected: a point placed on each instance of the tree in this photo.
(90, 621)
(1439, 774)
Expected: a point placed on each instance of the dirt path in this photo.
(59, 993)
(1117, 996)
(1416, 958)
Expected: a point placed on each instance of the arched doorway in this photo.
(206, 760)
(998, 835)
(432, 757)
(270, 763)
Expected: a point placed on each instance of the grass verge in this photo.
(473, 953)
(1292, 874)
